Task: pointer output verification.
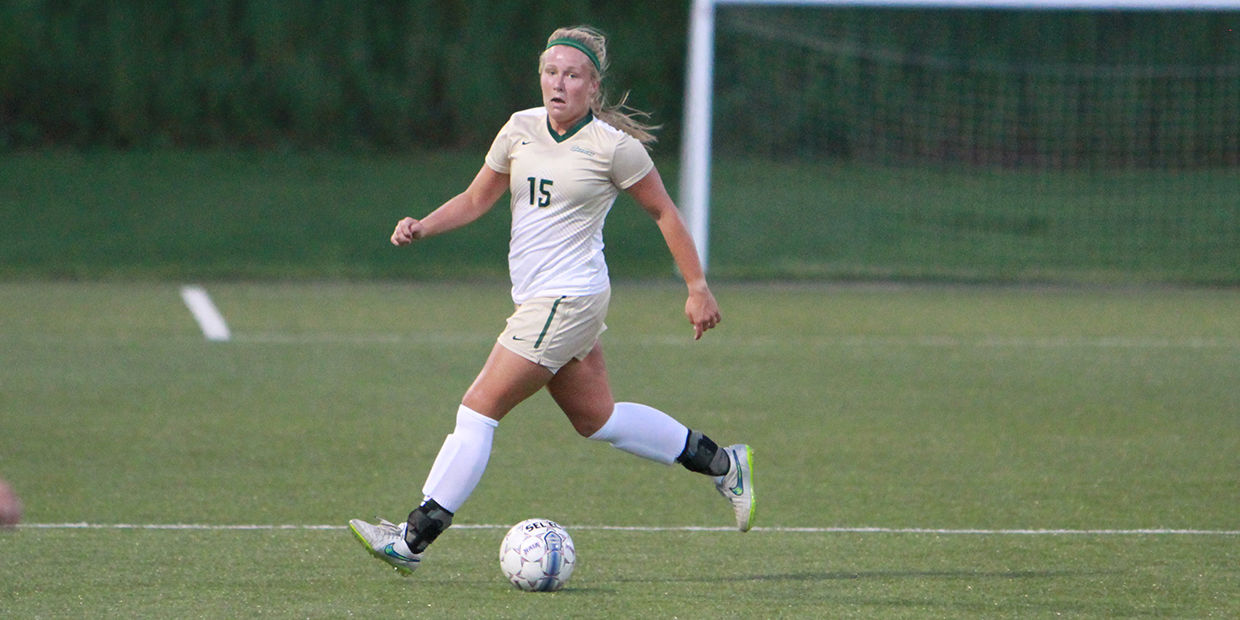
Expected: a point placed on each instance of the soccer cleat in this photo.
(737, 485)
(380, 540)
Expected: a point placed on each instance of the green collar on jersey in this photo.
(572, 131)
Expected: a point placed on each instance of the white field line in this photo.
(208, 316)
(687, 528)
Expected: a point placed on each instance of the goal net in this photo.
(863, 142)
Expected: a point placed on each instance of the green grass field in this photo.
(257, 215)
(938, 452)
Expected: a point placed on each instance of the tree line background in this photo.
(400, 74)
(384, 74)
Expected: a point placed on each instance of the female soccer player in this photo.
(563, 164)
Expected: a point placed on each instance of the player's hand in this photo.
(407, 231)
(703, 312)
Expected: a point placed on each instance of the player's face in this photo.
(568, 85)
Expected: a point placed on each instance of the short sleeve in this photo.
(498, 157)
(631, 163)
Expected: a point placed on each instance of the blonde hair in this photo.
(618, 115)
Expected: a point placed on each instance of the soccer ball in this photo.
(537, 555)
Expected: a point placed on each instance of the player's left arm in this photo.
(701, 308)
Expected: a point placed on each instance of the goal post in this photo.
(695, 174)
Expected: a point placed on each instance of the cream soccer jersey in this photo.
(561, 189)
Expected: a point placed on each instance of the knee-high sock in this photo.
(461, 460)
(644, 431)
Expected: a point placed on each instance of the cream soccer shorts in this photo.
(552, 331)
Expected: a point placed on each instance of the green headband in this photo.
(580, 46)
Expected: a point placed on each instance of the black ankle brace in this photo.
(703, 455)
(426, 523)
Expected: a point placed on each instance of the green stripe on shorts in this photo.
(547, 325)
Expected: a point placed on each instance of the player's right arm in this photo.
(469, 205)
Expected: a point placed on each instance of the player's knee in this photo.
(587, 426)
(587, 421)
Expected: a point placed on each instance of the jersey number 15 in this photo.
(540, 189)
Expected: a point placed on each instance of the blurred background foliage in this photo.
(398, 74)
(301, 73)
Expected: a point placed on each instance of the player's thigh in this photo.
(504, 381)
(583, 392)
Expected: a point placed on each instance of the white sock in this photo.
(399, 545)
(461, 460)
(644, 431)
